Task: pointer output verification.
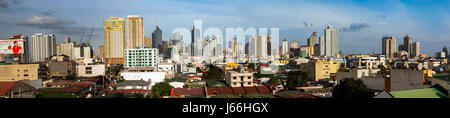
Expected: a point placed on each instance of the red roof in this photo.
(84, 84)
(66, 90)
(187, 92)
(239, 90)
(130, 91)
(264, 89)
(298, 95)
(6, 86)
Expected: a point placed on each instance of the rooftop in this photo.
(419, 93)
(5, 87)
(134, 83)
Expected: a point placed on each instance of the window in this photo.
(25, 70)
(249, 83)
(234, 78)
(234, 83)
(26, 75)
(249, 77)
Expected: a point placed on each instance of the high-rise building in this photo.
(294, 44)
(322, 46)
(312, 40)
(66, 48)
(114, 40)
(101, 52)
(445, 50)
(389, 46)
(331, 41)
(147, 42)
(141, 57)
(42, 47)
(165, 48)
(269, 44)
(157, 38)
(415, 50)
(262, 45)
(196, 37)
(135, 32)
(407, 45)
(83, 51)
(258, 46)
(14, 49)
(285, 47)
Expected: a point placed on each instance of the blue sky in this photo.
(362, 23)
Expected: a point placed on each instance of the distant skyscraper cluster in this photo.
(407, 49)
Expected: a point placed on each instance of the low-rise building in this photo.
(17, 72)
(152, 77)
(16, 89)
(236, 79)
(133, 85)
(61, 69)
(90, 70)
(168, 68)
(320, 69)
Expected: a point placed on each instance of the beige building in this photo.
(236, 79)
(90, 70)
(320, 69)
(19, 72)
(148, 42)
(101, 52)
(114, 40)
(66, 48)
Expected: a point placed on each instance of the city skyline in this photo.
(362, 24)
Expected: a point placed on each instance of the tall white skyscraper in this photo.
(42, 47)
(415, 51)
(322, 46)
(331, 41)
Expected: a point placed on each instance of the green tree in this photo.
(342, 68)
(252, 66)
(161, 89)
(214, 73)
(55, 95)
(258, 96)
(71, 77)
(351, 88)
(199, 70)
(296, 79)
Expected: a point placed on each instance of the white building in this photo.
(82, 51)
(90, 70)
(42, 47)
(331, 41)
(152, 77)
(168, 68)
(141, 57)
(285, 47)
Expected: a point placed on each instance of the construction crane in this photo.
(82, 35)
(92, 32)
